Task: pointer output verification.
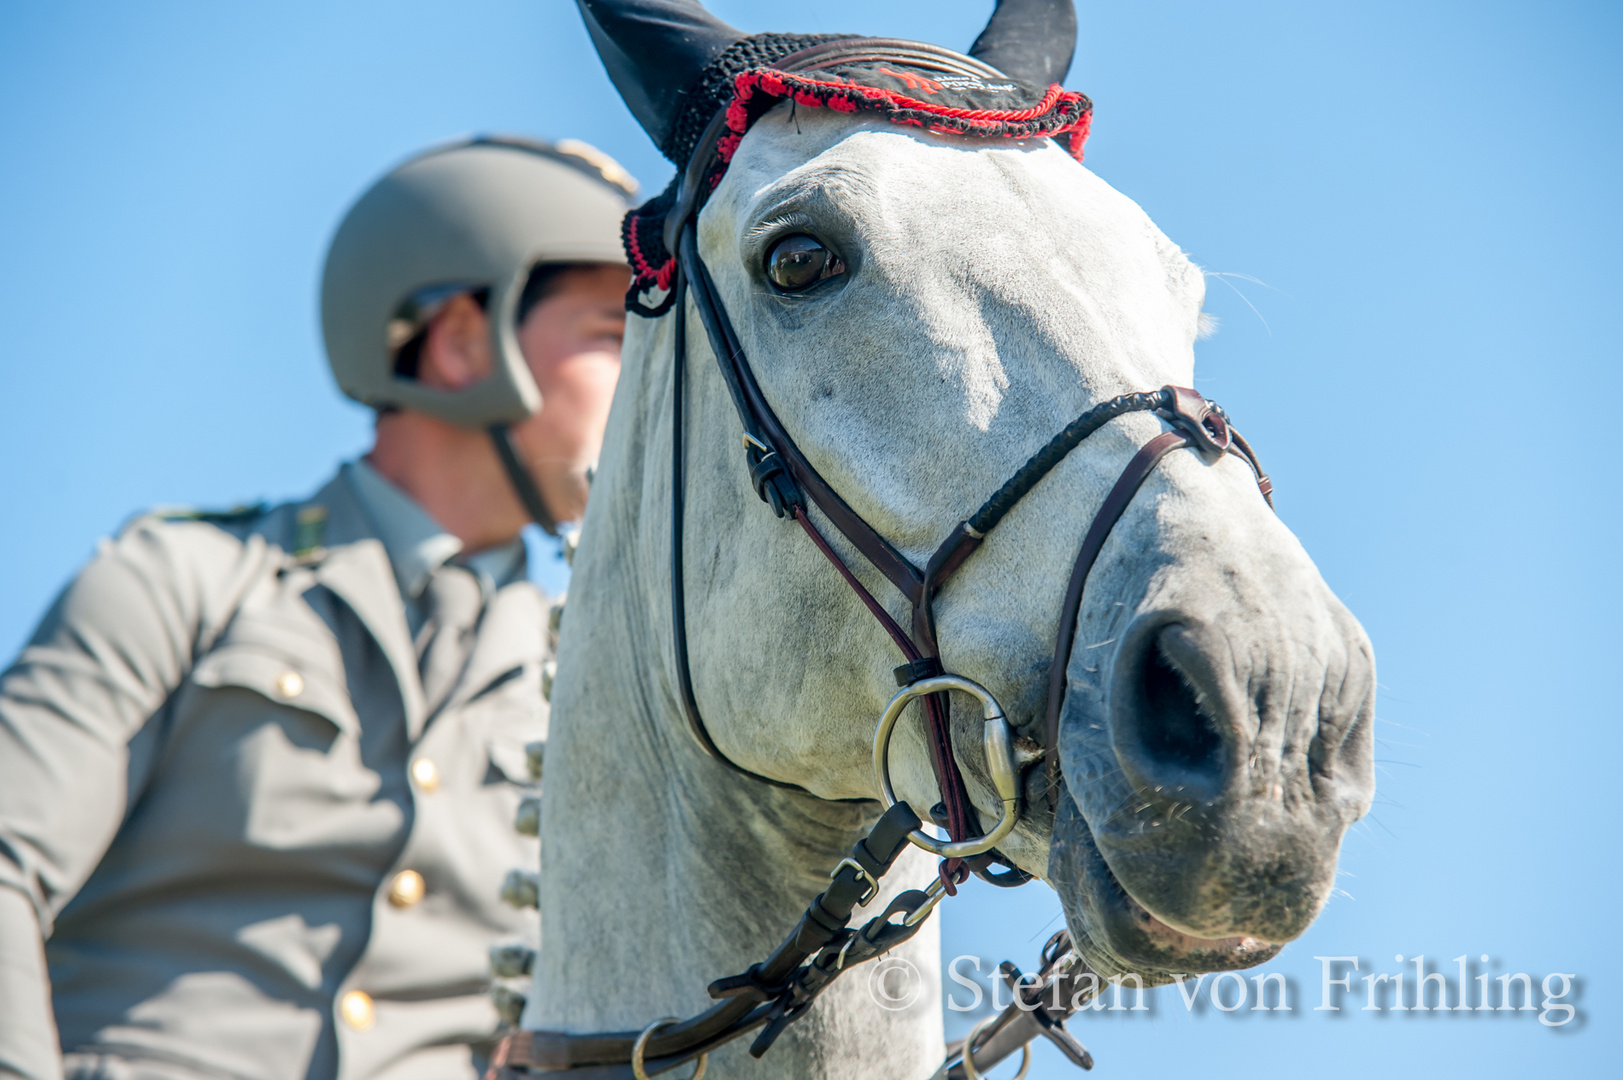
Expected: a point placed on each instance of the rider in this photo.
(259, 769)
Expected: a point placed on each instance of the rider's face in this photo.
(571, 341)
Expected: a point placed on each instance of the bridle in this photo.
(773, 993)
(787, 482)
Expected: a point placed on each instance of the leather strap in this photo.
(770, 995)
(679, 635)
(1110, 511)
(768, 447)
(762, 424)
(501, 436)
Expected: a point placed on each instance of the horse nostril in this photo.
(1174, 731)
(1162, 733)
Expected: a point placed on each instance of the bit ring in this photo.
(640, 1047)
(972, 1073)
(998, 742)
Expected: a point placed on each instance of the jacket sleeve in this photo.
(114, 646)
(28, 1046)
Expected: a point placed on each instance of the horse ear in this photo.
(1029, 40)
(653, 50)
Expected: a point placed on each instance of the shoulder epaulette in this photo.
(234, 516)
(311, 534)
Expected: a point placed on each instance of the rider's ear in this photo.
(456, 346)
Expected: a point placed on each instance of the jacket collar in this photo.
(355, 567)
(417, 545)
(369, 564)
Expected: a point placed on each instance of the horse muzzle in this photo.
(1201, 820)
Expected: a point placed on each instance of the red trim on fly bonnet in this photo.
(957, 105)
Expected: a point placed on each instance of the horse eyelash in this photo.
(781, 223)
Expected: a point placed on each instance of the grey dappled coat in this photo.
(215, 840)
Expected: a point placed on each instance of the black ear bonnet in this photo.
(1007, 87)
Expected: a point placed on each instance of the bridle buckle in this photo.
(870, 886)
(1196, 417)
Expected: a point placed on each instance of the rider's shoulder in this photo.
(296, 527)
(206, 528)
(237, 519)
(241, 514)
(172, 543)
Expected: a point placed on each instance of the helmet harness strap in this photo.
(523, 481)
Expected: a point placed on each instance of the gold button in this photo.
(290, 684)
(356, 1009)
(426, 774)
(407, 888)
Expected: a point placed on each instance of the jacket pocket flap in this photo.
(511, 761)
(296, 686)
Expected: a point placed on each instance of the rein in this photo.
(772, 994)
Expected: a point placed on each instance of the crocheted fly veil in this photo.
(1006, 87)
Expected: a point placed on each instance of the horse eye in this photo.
(799, 262)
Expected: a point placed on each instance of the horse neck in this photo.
(662, 868)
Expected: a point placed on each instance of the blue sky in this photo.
(1419, 207)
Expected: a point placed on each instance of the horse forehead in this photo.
(969, 242)
(1004, 287)
(915, 195)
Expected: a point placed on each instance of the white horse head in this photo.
(975, 296)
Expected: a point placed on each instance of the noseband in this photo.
(787, 482)
(772, 994)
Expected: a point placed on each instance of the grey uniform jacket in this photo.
(211, 782)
